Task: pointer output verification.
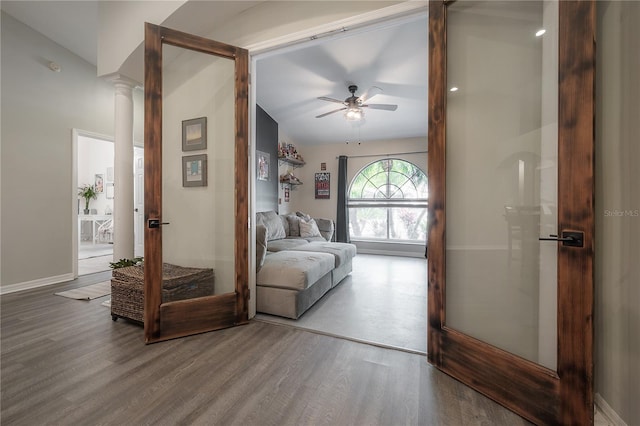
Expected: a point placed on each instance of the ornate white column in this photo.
(123, 242)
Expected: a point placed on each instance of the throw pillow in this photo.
(309, 229)
(294, 225)
(273, 223)
(303, 216)
(261, 246)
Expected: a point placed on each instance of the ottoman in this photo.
(342, 252)
(178, 283)
(290, 282)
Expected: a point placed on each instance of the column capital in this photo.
(121, 81)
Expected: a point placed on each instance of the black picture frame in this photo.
(323, 185)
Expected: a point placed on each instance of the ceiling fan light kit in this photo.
(354, 114)
(353, 105)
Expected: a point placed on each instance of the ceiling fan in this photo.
(353, 104)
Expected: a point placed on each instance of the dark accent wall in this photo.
(267, 141)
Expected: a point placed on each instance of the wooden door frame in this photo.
(537, 393)
(164, 321)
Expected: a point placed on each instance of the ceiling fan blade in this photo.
(330, 112)
(370, 93)
(324, 98)
(386, 107)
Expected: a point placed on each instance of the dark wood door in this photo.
(196, 171)
(511, 160)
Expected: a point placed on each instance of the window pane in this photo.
(403, 223)
(368, 222)
(408, 223)
(388, 181)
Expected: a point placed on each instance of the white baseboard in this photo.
(607, 412)
(12, 288)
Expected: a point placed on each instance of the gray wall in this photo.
(617, 280)
(267, 141)
(39, 109)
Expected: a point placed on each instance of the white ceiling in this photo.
(392, 57)
(71, 24)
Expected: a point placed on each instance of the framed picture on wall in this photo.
(264, 163)
(109, 174)
(99, 185)
(323, 186)
(194, 134)
(194, 170)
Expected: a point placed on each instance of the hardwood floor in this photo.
(65, 362)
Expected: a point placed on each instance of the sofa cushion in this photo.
(294, 225)
(286, 244)
(309, 228)
(343, 252)
(326, 228)
(303, 215)
(285, 226)
(296, 270)
(261, 245)
(273, 223)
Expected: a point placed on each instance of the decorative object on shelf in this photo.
(99, 187)
(194, 170)
(88, 192)
(323, 186)
(264, 163)
(194, 134)
(290, 179)
(289, 152)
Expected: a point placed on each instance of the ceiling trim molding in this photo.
(390, 15)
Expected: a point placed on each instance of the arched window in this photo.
(388, 201)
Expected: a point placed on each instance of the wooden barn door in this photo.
(196, 171)
(511, 208)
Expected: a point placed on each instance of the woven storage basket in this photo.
(178, 283)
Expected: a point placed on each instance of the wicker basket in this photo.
(178, 283)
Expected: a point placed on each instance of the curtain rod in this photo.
(382, 155)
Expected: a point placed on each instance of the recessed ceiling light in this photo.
(540, 32)
(453, 89)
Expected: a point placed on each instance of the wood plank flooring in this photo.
(65, 362)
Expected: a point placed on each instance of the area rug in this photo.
(88, 292)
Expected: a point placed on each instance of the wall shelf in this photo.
(291, 161)
(291, 183)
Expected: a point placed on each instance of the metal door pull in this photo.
(155, 223)
(569, 238)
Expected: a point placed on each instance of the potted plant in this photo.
(88, 192)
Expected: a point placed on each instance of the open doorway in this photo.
(93, 231)
(94, 212)
(371, 301)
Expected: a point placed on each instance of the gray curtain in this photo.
(342, 216)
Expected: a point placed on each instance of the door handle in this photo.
(155, 223)
(569, 238)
